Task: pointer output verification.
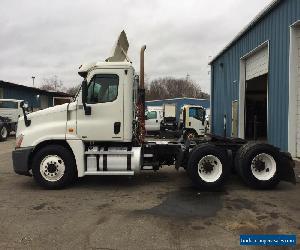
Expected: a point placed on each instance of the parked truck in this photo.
(10, 111)
(102, 133)
(153, 118)
(193, 122)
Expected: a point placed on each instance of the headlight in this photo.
(19, 141)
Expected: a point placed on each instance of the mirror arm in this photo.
(26, 120)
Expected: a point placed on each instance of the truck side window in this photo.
(103, 88)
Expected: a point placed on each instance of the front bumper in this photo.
(20, 159)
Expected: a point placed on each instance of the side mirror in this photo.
(25, 105)
(26, 120)
(84, 94)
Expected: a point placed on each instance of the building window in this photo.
(1, 93)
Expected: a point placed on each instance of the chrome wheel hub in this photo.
(52, 168)
(263, 167)
(210, 168)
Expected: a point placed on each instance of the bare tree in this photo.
(52, 84)
(73, 90)
(170, 87)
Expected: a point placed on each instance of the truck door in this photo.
(152, 122)
(105, 97)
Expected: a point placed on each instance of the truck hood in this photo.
(45, 124)
(48, 111)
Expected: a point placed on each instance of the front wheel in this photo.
(54, 167)
(208, 166)
(3, 133)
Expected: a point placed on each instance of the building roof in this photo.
(40, 91)
(178, 98)
(257, 18)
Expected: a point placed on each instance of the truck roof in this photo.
(110, 65)
(188, 105)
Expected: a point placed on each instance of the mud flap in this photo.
(287, 165)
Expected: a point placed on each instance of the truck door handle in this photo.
(117, 127)
(156, 121)
(190, 123)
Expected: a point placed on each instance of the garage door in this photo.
(44, 102)
(257, 64)
(298, 91)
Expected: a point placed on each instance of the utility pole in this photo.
(33, 77)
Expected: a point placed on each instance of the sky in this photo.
(54, 37)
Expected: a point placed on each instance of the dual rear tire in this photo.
(256, 163)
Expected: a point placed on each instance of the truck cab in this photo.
(153, 118)
(193, 121)
(97, 129)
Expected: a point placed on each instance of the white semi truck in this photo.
(102, 133)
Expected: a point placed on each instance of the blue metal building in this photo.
(205, 103)
(36, 98)
(255, 79)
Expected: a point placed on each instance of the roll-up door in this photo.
(257, 64)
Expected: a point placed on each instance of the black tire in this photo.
(238, 154)
(244, 158)
(69, 175)
(199, 153)
(3, 132)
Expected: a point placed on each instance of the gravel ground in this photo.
(148, 211)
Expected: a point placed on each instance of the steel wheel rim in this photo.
(52, 168)
(210, 168)
(4, 132)
(263, 167)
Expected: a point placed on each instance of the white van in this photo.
(153, 118)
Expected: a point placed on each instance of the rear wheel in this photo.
(3, 133)
(208, 166)
(258, 165)
(54, 167)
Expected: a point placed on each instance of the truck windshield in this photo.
(8, 105)
(196, 113)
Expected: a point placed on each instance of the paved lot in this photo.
(150, 211)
